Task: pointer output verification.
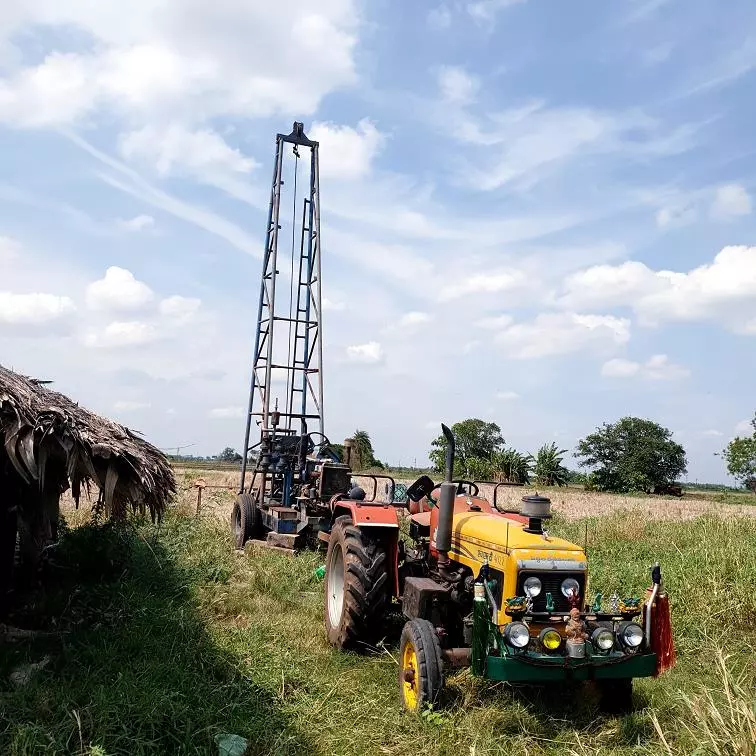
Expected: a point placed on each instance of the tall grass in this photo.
(190, 640)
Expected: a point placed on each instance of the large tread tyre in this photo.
(357, 586)
(421, 668)
(245, 520)
(616, 696)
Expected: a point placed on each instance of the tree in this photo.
(740, 456)
(229, 455)
(365, 450)
(474, 439)
(632, 454)
(511, 466)
(548, 469)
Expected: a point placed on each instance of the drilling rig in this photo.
(295, 471)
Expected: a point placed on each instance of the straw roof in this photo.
(44, 434)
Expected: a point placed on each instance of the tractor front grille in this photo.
(552, 583)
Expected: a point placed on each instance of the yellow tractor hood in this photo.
(493, 537)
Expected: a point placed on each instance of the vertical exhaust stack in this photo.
(446, 503)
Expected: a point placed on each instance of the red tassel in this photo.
(662, 643)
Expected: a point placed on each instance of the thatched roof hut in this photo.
(48, 443)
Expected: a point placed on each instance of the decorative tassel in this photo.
(662, 643)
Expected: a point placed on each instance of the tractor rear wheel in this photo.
(421, 671)
(357, 590)
(245, 520)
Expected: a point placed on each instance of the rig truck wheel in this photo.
(245, 520)
(421, 672)
(356, 582)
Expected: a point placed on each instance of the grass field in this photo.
(191, 640)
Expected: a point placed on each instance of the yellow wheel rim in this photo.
(410, 677)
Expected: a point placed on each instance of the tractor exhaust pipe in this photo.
(446, 503)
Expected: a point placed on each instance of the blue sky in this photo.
(533, 212)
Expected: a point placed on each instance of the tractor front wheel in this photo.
(245, 520)
(421, 671)
(356, 582)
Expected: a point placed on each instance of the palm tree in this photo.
(512, 466)
(364, 448)
(549, 470)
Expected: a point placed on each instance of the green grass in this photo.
(191, 640)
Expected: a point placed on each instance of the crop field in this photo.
(189, 640)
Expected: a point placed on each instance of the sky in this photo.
(536, 213)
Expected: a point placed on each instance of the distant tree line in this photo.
(632, 454)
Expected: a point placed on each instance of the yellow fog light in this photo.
(550, 639)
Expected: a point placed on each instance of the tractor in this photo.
(487, 589)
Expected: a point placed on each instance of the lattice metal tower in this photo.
(286, 392)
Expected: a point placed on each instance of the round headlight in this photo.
(570, 587)
(550, 639)
(602, 639)
(630, 634)
(532, 586)
(517, 634)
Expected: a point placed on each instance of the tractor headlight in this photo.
(630, 634)
(532, 586)
(570, 587)
(602, 639)
(517, 635)
(550, 639)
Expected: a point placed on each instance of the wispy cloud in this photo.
(136, 186)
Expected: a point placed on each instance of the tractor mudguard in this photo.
(380, 520)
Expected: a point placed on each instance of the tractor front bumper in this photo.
(534, 667)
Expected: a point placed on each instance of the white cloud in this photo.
(456, 85)
(138, 223)
(656, 368)
(117, 291)
(334, 305)
(620, 368)
(179, 309)
(744, 428)
(371, 352)
(485, 11)
(495, 322)
(731, 201)
(241, 59)
(439, 18)
(723, 290)
(484, 283)
(176, 149)
(33, 309)
(507, 396)
(676, 216)
(553, 334)
(712, 433)
(226, 412)
(128, 406)
(9, 249)
(410, 319)
(522, 143)
(347, 153)
(121, 334)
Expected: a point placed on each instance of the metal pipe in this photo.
(446, 502)
(450, 447)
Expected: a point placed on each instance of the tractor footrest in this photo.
(323, 536)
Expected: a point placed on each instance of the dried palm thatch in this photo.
(48, 443)
(39, 426)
